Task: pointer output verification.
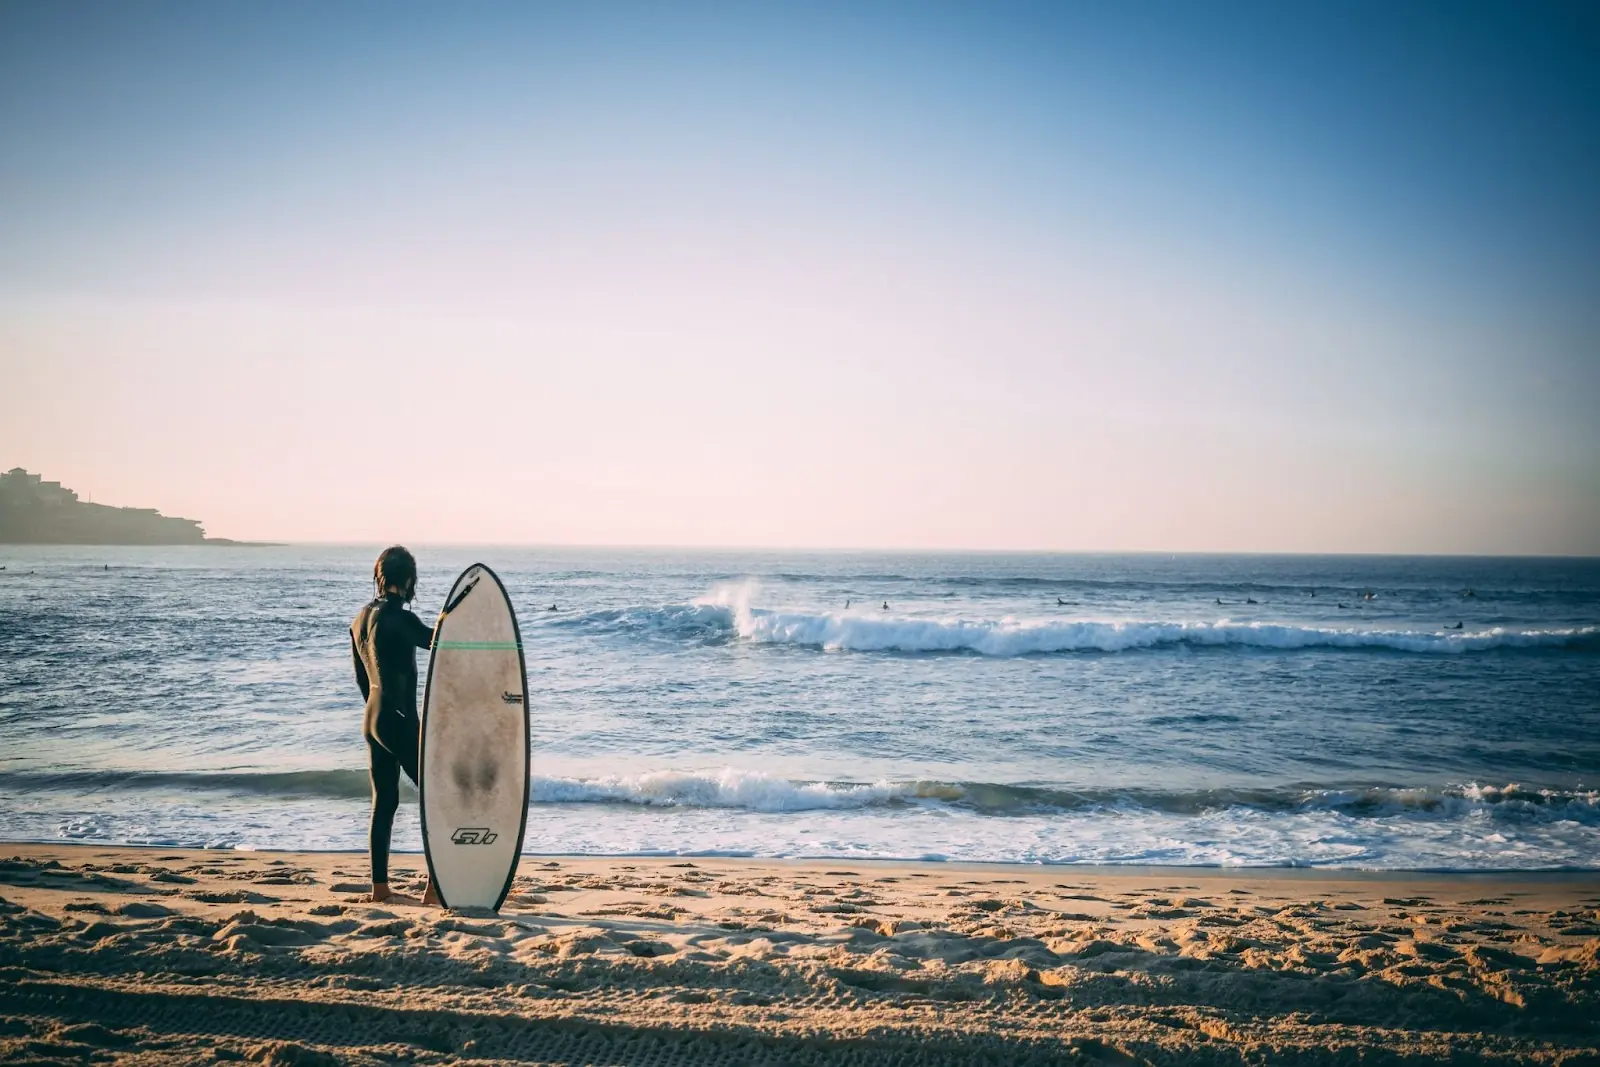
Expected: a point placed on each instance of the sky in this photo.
(1142, 276)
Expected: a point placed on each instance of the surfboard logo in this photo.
(511, 698)
(474, 835)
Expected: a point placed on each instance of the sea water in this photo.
(1149, 709)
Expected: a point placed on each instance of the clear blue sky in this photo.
(1104, 276)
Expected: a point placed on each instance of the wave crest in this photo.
(757, 791)
(731, 607)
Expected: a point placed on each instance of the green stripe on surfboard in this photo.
(481, 646)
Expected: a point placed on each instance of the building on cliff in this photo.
(34, 511)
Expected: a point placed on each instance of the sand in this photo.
(159, 956)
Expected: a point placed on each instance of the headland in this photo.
(34, 511)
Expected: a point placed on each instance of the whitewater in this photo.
(1010, 636)
(1371, 712)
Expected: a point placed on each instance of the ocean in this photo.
(1020, 708)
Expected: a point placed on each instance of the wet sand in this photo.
(163, 956)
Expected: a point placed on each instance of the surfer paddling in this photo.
(383, 642)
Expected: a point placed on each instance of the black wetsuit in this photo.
(383, 641)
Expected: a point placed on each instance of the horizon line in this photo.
(875, 550)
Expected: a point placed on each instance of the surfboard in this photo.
(475, 739)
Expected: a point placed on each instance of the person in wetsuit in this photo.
(384, 639)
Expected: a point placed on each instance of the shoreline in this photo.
(1096, 870)
(156, 955)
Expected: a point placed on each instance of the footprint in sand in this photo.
(139, 909)
(247, 931)
(648, 949)
(392, 927)
(232, 896)
(19, 871)
(287, 878)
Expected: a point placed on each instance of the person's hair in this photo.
(396, 566)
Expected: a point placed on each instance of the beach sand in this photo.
(162, 956)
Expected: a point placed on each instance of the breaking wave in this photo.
(1017, 637)
(333, 784)
(757, 791)
(727, 614)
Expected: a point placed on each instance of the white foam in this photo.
(757, 791)
(1012, 636)
(728, 788)
(734, 812)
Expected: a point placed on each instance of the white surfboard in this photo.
(474, 758)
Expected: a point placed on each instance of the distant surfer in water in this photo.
(383, 642)
(885, 605)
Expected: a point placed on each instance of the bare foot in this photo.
(405, 899)
(382, 894)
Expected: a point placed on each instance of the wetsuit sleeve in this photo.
(361, 670)
(421, 633)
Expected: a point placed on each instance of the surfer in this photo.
(1249, 600)
(847, 603)
(552, 607)
(1060, 603)
(1457, 626)
(384, 639)
(885, 605)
